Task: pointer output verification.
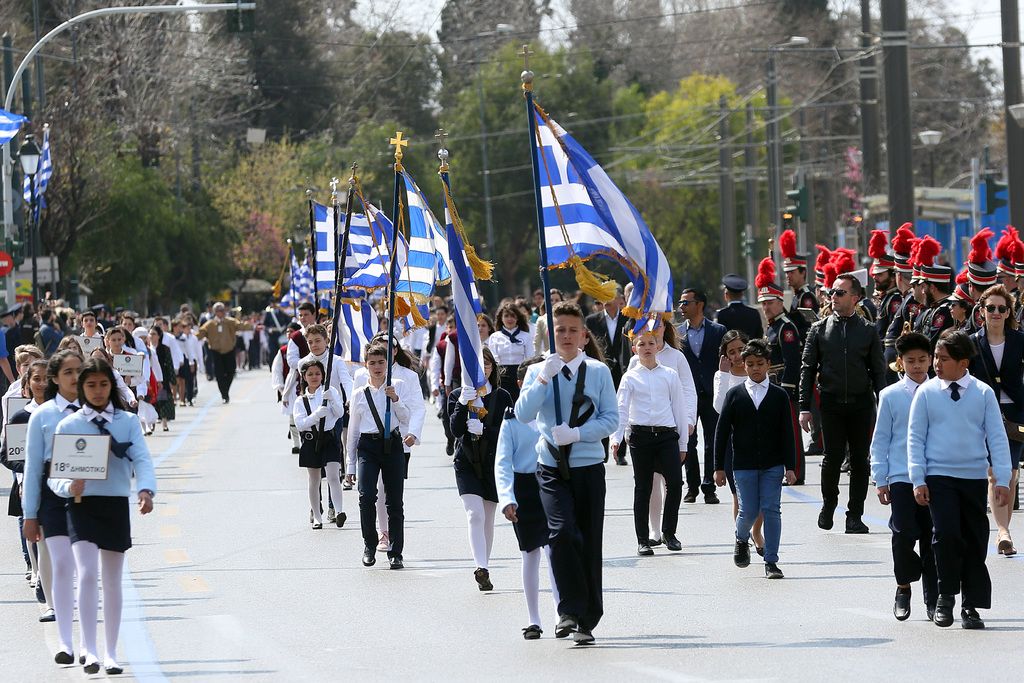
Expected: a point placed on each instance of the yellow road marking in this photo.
(176, 556)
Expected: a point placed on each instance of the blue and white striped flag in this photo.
(42, 176)
(10, 124)
(467, 308)
(372, 252)
(598, 220)
(302, 286)
(355, 329)
(326, 250)
(428, 245)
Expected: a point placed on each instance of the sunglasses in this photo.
(992, 308)
(686, 303)
(838, 293)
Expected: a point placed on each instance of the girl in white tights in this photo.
(315, 414)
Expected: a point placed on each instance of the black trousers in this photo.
(911, 525)
(373, 463)
(708, 421)
(846, 425)
(960, 542)
(187, 374)
(224, 370)
(208, 362)
(655, 453)
(575, 512)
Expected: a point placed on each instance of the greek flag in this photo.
(598, 219)
(467, 308)
(326, 250)
(302, 286)
(10, 124)
(371, 251)
(42, 176)
(357, 325)
(428, 246)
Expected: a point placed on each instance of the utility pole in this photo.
(750, 205)
(868, 104)
(1012, 95)
(806, 233)
(774, 156)
(726, 190)
(40, 87)
(897, 111)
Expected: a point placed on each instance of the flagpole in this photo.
(311, 253)
(527, 77)
(399, 143)
(339, 272)
(291, 277)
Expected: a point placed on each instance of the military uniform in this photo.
(887, 310)
(933, 321)
(786, 346)
(907, 311)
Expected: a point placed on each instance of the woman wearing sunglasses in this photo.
(999, 364)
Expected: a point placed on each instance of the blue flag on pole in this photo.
(10, 124)
(467, 308)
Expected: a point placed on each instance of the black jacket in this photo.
(616, 351)
(1005, 380)
(845, 356)
(762, 437)
(704, 366)
(738, 316)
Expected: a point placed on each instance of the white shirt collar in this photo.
(763, 384)
(644, 367)
(63, 403)
(575, 363)
(88, 412)
(910, 385)
(964, 381)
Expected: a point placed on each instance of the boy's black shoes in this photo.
(644, 550)
(711, 498)
(582, 637)
(690, 497)
(369, 557)
(930, 612)
(970, 620)
(741, 555)
(396, 562)
(566, 624)
(825, 517)
(772, 571)
(483, 579)
(944, 610)
(672, 543)
(855, 526)
(901, 608)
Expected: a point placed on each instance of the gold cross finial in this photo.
(399, 142)
(525, 54)
(442, 154)
(352, 176)
(440, 134)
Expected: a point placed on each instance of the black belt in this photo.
(656, 431)
(377, 436)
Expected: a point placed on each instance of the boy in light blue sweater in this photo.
(911, 524)
(956, 432)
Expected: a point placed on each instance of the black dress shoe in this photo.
(814, 450)
(929, 610)
(855, 526)
(583, 637)
(654, 542)
(772, 571)
(532, 632)
(64, 658)
(369, 557)
(970, 620)
(711, 498)
(825, 517)
(672, 543)
(113, 670)
(741, 555)
(396, 562)
(644, 550)
(566, 624)
(295, 450)
(620, 460)
(690, 497)
(81, 659)
(450, 448)
(901, 608)
(339, 519)
(483, 579)
(944, 610)
(92, 668)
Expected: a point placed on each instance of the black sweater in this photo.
(761, 437)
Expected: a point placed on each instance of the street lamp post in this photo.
(28, 156)
(930, 139)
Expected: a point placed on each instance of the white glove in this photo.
(319, 413)
(564, 435)
(475, 426)
(467, 395)
(552, 366)
(333, 394)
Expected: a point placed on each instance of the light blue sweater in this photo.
(517, 452)
(124, 428)
(949, 438)
(889, 442)
(537, 402)
(38, 450)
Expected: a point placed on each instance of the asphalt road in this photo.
(227, 582)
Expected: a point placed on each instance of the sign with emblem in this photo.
(89, 344)
(15, 443)
(15, 404)
(129, 364)
(80, 456)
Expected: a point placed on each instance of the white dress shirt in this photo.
(674, 359)
(963, 383)
(509, 352)
(361, 420)
(612, 324)
(757, 390)
(651, 397)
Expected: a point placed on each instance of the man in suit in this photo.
(700, 339)
(608, 328)
(737, 315)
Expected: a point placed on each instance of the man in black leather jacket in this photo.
(844, 355)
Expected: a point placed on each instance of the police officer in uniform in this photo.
(737, 315)
(795, 267)
(786, 346)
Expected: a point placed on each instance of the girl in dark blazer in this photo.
(476, 446)
(999, 363)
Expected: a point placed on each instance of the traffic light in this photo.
(16, 248)
(993, 188)
(798, 202)
(787, 219)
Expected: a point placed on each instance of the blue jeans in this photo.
(760, 491)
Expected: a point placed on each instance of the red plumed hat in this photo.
(981, 252)
(903, 240)
(927, 249)
(767, 288)
(790, 259)
(824, 256)
(830, 274)
(961, 277)
(843, 260)
(877, 244)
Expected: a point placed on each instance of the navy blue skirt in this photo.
(466, 479)
(103, 520)
(329, 449)
(53, 513)
(532, 527)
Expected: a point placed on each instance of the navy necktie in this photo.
(566, 372)
(116, 447)
(512, 336)
(954, 391)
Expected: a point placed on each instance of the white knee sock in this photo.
(62, 562)
(531, 584)
(489, 510)
(334, 483)
(382, 510)
(112, 565)
(476, 515)
(87, 560)
(657, 496)
(314, 492)
(551, 578)
(45, 572)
